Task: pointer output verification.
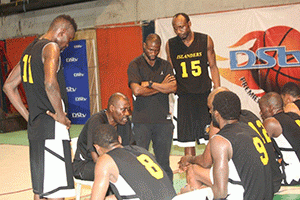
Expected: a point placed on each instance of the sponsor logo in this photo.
(78, 46)
(70, 89)
(190, 55)
(265, 55)
(79, 74)
(80, 99)
(78, 115)
(72, 59)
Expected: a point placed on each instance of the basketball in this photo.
(273, 79)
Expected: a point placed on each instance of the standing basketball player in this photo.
(42, 76)
(191, 53)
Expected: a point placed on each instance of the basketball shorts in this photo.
(193, 116)
(51, 166)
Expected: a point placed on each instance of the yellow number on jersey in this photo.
(196, 68)
(151, 166)
(261, 149)
(263, 130)
(297, 122)
(27, 69)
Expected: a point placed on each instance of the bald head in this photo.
(153, 38)
(212, 95)
(270, 104)
(114, 98)
(272, 99)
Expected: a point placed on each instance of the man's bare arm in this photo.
(272, 127)
(211, 56)
(11, 90)
(168, 53)
(221, 152)
(291, 107)
(106, 170)
(51, 56)
(139, 90)
(169, 85)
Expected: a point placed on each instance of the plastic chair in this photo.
(79, 182)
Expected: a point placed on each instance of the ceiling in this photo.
(21, 6)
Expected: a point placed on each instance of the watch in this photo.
(150, 84)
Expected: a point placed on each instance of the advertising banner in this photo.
(74, 60)
(257, 50)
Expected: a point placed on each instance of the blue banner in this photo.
(74, 60)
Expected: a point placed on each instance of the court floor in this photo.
(15, 174)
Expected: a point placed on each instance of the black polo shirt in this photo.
(154, 108)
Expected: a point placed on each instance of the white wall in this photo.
(101, 12)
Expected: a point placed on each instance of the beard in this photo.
(214, 121)
(151, 58)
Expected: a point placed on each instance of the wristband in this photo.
(150, 84)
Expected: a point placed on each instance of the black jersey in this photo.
(142, 173)
(289, 147)
(290, 123)
(297, 103)
(254, 122)
(251, 161)
(190, 64)
(33, 77)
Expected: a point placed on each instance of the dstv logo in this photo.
(79, 74)
(78, 115)
(78, 46)
(70, 89)
(80, 99)
(71, 59)
(264, 54)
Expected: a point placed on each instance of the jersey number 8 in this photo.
(151, 166)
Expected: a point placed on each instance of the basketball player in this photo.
(290, 94)
(42, 76)
(191, 54)
(241, 168)
(117, 115)
(285, 129)
(131, 170)
(205, 161)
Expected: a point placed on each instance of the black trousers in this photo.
(161, 136)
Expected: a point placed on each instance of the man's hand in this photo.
(61, 119)
(145, 83)
(169, 78)
(184, 162)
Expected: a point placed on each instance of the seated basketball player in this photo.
(285, 129)
(131, 171)
(227, 155)
(290, 94)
